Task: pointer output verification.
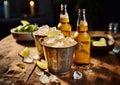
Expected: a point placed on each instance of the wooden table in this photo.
(104, 70)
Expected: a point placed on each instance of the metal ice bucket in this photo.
(59, 59)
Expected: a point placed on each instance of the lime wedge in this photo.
(24, 22)
(41, 65)
(25, 52)
(101, 42)
(96, 43)
(20, 28)
(53, 33)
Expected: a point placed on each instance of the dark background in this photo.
(99, 13)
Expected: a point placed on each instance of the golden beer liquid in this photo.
(82, 54)
(65, 27)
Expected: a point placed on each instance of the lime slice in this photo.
(96, 43)
(41, 65)
(29, 28)
(101, 42)
(24, 22)
(25, 52)
(20, 28)
(53, 33)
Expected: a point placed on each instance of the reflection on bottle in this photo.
(114, 27)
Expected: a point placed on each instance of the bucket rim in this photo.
(58, 47)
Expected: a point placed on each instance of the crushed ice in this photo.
(47, 79)
(44, 79)
(58, 42)
(77, 75)
(52, 78)
(27, 60)
(35, 57)
(43, 30)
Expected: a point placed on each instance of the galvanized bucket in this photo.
(59, 59)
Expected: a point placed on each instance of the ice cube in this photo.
(44, 79)
(35, 57)
(49, 40)
(58, 44)
(77, 75)
(52, 78)
(27, 60)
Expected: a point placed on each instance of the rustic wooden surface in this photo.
(104, 69)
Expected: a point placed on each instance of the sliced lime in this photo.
(41, 65)
(101, 42)
(53, 33)
(24, 22)
(20, 28)
(25, 52)
(96, 43)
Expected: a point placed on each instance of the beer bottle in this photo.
(64, 24)
(82, 53)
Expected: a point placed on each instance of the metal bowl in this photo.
(102, 49)
(22, 36)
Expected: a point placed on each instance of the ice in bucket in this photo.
(59, 52)
(41, 33)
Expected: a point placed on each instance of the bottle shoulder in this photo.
(83, 36)
(65, 26)
(64, 20)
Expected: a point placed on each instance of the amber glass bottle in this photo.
(82, 54)
(64, 24)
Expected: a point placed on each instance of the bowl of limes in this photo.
(24, 32)
(102, 45)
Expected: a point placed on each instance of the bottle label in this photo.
(82, 28)
(82, 54)
(64, 20)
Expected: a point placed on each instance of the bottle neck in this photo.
(82, 24)
(64, 17)
(64, 9)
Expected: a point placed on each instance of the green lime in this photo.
(25, 52)
(53, 33)
(24, 22)
(34, 27)
(28, 28)
(41, 65)
(20, 28)
(101, 42)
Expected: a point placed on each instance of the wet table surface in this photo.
(103, 69)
